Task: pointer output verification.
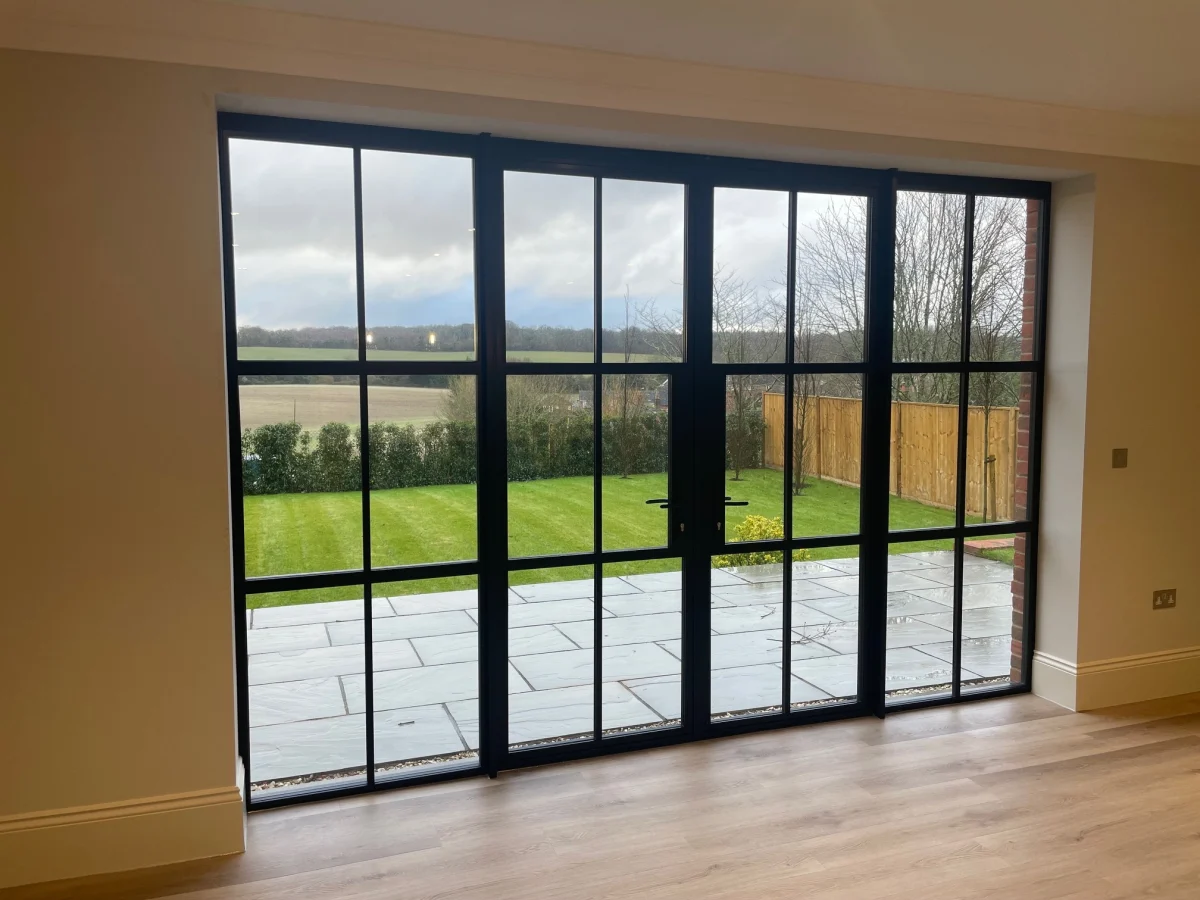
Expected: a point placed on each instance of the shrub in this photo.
(758, 528)
(283, 458)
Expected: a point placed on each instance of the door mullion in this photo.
(492, 534)
(873, 497)
(707, 432)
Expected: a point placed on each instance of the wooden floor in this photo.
(1005, 798)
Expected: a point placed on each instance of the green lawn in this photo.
(303, 353)
(288, 533)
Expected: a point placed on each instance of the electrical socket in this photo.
(1164, 599)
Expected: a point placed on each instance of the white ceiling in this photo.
(1125, 55)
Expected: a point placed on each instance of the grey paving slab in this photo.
(755, 687)
(941, 558)
(295, 701)
(555, 590)
(836, 676)
(746, 594)
(989, 657)
(443, 601)
(249, 618)
(449, 648)
(310, 613)
(991, 621)
(811, 589)
(840, 639)
(945, 558)
(841, 607)
(751, 648)
(838, 585)
(304, 748)
(911, 581)
(650, 582)
(402, 734)
(906, 631)
(903, 603)
(728, 620)
(540, 715)
(663, 695)
(322, 662)
(975, 596)
(641, 604)
(760, 574)
(896, 562)
(399, 627)
(724, 578)
(552, 612)
(424, 686)
(848, 565)
(614, 586)
(812, 569)
(287, 637)
(979, 573)
(626, 630)
(988, 572)
(907, 667)
(736, 619)
(545, 671)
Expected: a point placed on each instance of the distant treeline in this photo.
(448, 338)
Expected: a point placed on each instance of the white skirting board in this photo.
(1112, 682)
(112, 837)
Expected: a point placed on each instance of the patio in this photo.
(306, 662)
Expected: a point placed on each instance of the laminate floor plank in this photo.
(1005, 798)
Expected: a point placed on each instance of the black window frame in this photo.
(700, 175)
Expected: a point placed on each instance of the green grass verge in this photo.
(287, 533)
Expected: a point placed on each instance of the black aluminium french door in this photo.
(550, 451)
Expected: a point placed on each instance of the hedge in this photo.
(284, 458)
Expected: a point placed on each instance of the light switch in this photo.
(1121, 458)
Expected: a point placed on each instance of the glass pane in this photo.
(306, 727)
(418, 256)
(826, 452)
(642, 639)
(422, 448)
(831, 278)
(642, 271)
(752, 480)
(294, 259)
(997, 446)
(425, 655)
(825, 614)
(748, 651)
(549, 285)
(929, 276)
(634, 439)
(550, 464)
(1004, 279)
(993, 612)
(301, 474)
(750, 251)
(920, 629)
(924, 450)
(551, 676)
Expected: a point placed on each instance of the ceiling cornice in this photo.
(229, 36)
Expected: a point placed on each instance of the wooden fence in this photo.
(924, 447)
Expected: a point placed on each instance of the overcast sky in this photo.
(294, 236)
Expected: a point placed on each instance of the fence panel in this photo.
(924, 449)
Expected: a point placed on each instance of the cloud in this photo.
(294, 231)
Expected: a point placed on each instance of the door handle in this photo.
(660, 500)
(729, 502)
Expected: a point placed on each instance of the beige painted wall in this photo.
(117, 652)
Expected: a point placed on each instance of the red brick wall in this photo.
(1023, 420)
